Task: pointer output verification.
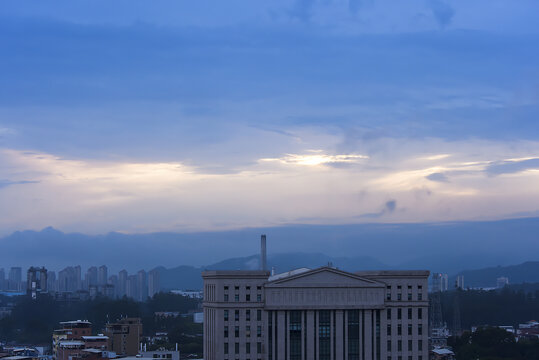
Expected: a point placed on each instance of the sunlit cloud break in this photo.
(317, 158)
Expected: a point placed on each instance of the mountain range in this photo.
(439, 247)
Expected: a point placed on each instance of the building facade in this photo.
(320, 314)
(124, 336)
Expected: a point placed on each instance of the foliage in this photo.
(33, 321)
(493, 343)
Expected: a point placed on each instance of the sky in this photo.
(141, 116)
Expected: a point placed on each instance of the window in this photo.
(420, 357)
(236, 315)
(399, 296)
(248, 315)
(236, 348)
(389, 314)
(399, 314)
(259, 331)
(237, 297)
(409, 329)
(226, 348)
(259, 315)
(389, 345)
(410, 357)
(259, 348)
(248, 331)
(236, 331)
(226, 315)
(248, 288)
(236, 288)
(259, 287)
(420, 313)
(226, 331)
(420, 329)
(226, 288)
(409, 345)
(409, 296)
(248, 348)
(420, 345)
(410, 314)
(388, 294)
(258, 297)
(399, 329)
(388, 329)
(226, 297)
(399, 345)
(420, 296)
(247, 297)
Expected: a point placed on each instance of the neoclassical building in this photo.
(320, 314)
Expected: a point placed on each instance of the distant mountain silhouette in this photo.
(527, 272)
(188, 277)
(439, 247)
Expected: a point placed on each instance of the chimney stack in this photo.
(263, 252)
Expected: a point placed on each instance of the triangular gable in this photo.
(324, 277)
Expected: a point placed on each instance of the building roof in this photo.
(241, 274)
(96, 337)
(442, 351)
(76, 322)
(71, 343)
(288, 273)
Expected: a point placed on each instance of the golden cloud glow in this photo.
(316, 159)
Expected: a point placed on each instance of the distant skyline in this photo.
(143, 116)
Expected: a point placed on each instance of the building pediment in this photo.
(325, 277)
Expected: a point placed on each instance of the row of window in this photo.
(419, 346)
(410, 312)
(247, 297)
(419, 357)
(409, 294)
(410, 328)
(247, 348)
(247, 331)
(226, 315)
(237, 288)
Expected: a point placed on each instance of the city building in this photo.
(102, 276)
(124, 336)
(36, 281)
(153, 283)
(122, 283)
(439, 282)
(161, 353)
(459, 283)
(320, 314)
(131, 288)
(2, 280)
(15, 279)
(501, 282)
(70, 331)
(142, 286)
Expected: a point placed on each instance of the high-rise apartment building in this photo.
(122, 283)
(142, 286)
(153, 282)
(15, 279)
(131, 288)
(2, 279)
(318, 314)
(102, 275)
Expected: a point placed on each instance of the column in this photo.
(339, 333)
(368, 335)
(310, 334)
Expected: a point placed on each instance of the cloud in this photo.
(512, 166)
(389, 207)
(5, 183)
(442, 11)
(317, 158)
(440, 177)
